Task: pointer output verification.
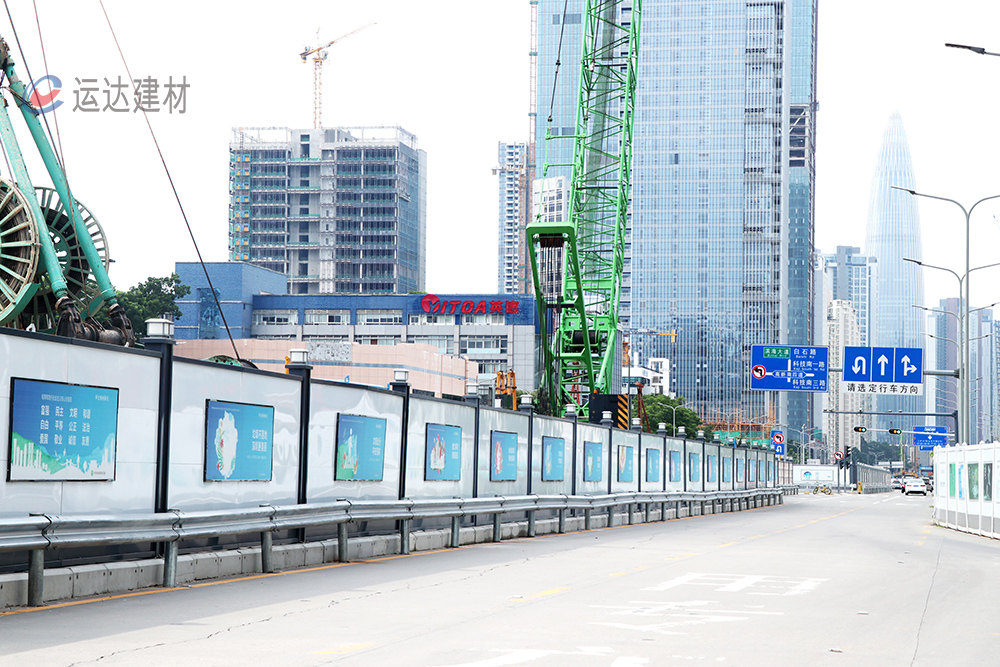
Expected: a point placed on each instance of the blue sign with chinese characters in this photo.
(883, 370)
(239, 439)
(788, 368)
(929, 437)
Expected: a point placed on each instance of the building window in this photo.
(482, 345)
(328, 317)
(380, 317)
(377, 340)
(444, 344)
(430, 318)
(275, 317)
(483, 318)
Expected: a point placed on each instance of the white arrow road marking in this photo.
(859, 365)
(882, 361)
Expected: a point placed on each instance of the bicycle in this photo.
(822, 488)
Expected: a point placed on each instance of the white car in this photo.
(915, 485)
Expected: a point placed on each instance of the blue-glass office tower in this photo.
(893, 233)
(722, 207)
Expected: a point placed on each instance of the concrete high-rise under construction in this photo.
(337, 210)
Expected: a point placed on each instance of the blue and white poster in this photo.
(360, 448)
(625, 463)
(727, 469)
(238, 441)
(751, 471)
(62, 432)
(553, 459)
(710, 468)
(762, 470)
(444, 453)
(739, 470)
(652, 465)
(503, 456)
(694, 467)
(675, 466)
(593, 462)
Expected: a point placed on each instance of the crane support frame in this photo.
(579, 325)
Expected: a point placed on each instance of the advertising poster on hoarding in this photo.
(62, 432)
(710, 468)
(675, 466)
(625, 463)
(593, 461)
(652, 465)
(739, 470)
(503, 456)
(444, 453)
(751, 471)
(553, 459)
(360, 448)
(239, 440)
(694, 467)
(727, 468)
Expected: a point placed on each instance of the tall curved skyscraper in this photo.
(893, 234)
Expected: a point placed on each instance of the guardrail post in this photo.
(170, 565)
(586, 519)
(646, 509)
(531, 523)
(611, 515)
(562, 521)
(631, 513)
(404, 536)
(663, 511)
(266, 550)
(342, 553)
(455, 532)
(36, 577)
(496, 527)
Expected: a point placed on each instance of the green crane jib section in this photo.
(74, 300)
(579, 323)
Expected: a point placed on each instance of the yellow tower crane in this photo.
(319, 55)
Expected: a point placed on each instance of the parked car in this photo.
(915, 485)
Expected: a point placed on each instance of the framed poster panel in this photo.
(503, 456)
(593, 461)
(360, 452)
(553, 459)
(444, 453)
(675, 466)
(625, 463)
(239, 442)
(61, 432)
(652, 465)
(727, 468)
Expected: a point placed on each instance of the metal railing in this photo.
(37, 533)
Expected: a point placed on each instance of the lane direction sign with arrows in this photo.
(883, 370)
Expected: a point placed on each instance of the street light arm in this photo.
(939, 268)
(975, 49)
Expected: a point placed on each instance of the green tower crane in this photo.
(579, 318)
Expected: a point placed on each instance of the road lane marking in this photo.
(541, 594)
(632, 571)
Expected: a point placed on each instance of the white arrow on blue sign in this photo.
(928, 437)
(884, 364)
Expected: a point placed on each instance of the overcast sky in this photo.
(459, 81)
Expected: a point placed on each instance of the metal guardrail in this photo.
(39, 532)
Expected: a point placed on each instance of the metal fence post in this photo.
(562, 521)
(342, 553)
(266, 545)
(496, 527)
(36, 577)
(455, 532)
(170, 565)
(404, 536)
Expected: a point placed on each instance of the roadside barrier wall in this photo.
(965, 482)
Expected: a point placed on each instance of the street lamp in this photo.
(964, 334)
(673, 410)
(975, 49)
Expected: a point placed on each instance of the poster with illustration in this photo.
(727, 468)
(553, 459)
(360, 448)
(62, 432)
(625, 463)
(751, 471)
(762, 471)
(739, 470)
(238, 441)
(593, 462)
(675, 466)
(444, 453)
(652, 465)
(711, 471)
(694, 467)
(503, 456)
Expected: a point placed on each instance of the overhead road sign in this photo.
(788, 368)
(891, 371)
(929, 437)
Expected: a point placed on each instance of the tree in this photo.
(153, 298)
(659, 412)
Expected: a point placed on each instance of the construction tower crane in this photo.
(579, 322)
(319, 55)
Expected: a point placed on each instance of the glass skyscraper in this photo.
(722, 208)
(893, 233)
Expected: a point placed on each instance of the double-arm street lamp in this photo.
(964, 324)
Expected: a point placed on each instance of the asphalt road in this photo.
(821, 580)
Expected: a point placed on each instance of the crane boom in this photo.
(319, 55)
(579, 323)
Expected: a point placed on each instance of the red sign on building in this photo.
(430, 303)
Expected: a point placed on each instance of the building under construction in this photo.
(337, 210)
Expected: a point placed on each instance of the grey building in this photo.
(337, 210)
(513, 272)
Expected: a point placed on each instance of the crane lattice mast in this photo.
(319, 55)
(579, 323)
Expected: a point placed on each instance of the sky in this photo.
(458, 80)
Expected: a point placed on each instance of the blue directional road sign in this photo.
(929, 437)
(788, 368)
(778, 442)
(900, 368)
